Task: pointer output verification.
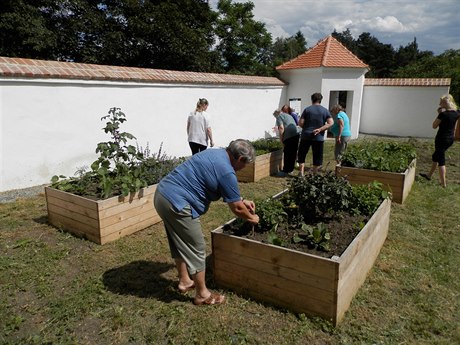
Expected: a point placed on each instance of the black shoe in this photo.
(425, 176)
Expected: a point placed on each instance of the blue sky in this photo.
(435, 23)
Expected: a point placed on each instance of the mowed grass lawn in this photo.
(58, 289)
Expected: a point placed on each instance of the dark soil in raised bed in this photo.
(343, 229)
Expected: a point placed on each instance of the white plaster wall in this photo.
(400, 111)
(52, 127)
(352, 81)
(302, 84)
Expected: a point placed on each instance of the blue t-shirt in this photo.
(206, 176)
(346, 132)
(314, 116)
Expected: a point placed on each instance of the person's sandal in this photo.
(214, 299)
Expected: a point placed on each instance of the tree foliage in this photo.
(188, 35)
(24, 30)
(172, 34)
(346, 38)
(376, 54)
(382, 58)
(445, 65)
(405, 62)
(244, 44)
(285, 49)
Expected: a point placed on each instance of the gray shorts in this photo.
(340, 149)
(185, 237)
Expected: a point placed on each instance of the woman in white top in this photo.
(199, 128)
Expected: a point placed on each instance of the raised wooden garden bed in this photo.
(101, 221)
(399, 184)
(298, 281)
(263, 166)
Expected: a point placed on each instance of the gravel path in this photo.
(13, 195)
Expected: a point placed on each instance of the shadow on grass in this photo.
(144, 279)
(42, 220)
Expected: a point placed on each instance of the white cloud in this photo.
(386, 24)
(342, 26)
(274, 28)
(395, 22)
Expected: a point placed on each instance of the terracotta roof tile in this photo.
(328, 52)
(320, 55)
(41, 69)
(407, 82)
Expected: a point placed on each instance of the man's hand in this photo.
(245, 209)
(250, 206)
(316, 131)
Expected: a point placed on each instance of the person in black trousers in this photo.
(289, 136)
(445, 122)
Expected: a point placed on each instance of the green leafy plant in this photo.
(388, 156)
(274, 239)
(271, 212)
(319, 194)
(81, 184)
(118, 166)
(315, 236)
(121, 167)
(263, 146)
(309, 204)
(367, 198)
(157, 166)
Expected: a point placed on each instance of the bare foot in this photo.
(185, 288)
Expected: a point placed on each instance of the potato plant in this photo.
(302, 214)
(379, 155)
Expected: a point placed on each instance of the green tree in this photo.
(285, 49)
(445, 65)
(244, 45)
(79, 24)
(409, 54)
(380, 57)
(24, 31)
(346, 38)
(169, 34)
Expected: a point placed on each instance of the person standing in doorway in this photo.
(341, 131)
(445, 122)
(315, 120)
(199, 128)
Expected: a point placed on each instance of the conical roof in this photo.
(328, 52)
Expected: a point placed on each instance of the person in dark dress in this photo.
(445, 122)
